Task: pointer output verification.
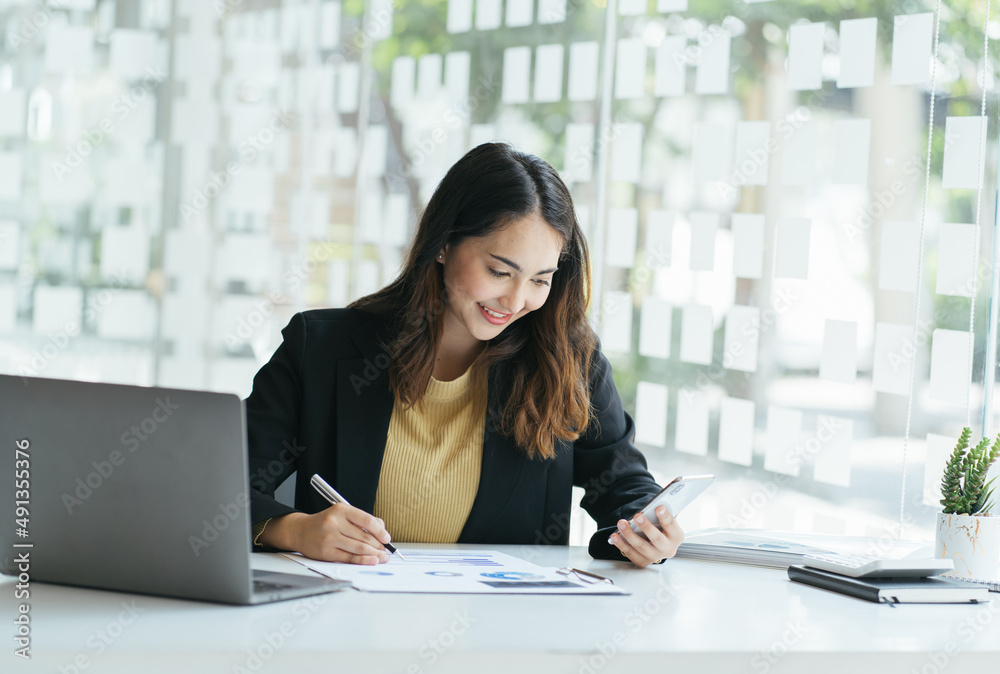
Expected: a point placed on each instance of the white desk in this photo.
(682, 616)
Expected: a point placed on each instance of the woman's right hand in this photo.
(341, 533)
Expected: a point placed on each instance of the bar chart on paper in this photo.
(455, 572)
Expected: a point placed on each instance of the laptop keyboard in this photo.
(265, 586)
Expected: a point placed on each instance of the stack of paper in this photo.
(457, 571)
(780, 549)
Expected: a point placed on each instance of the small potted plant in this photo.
(968, 532)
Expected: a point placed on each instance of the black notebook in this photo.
(934, 590)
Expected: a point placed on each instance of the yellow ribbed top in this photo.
(430, 471)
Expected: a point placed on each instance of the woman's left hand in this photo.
(662, 543)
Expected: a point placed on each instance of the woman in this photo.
(462, 402)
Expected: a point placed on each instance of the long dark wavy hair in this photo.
(539, 364)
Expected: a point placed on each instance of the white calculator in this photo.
(865, 566)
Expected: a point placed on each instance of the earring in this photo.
(440, 256)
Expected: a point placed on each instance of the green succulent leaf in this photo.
(985, 502)
(964, 487)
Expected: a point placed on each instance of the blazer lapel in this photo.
(364, 408)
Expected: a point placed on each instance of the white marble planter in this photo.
(972, 542)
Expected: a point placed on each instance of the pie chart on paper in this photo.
(512, 575)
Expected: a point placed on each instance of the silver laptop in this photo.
(134, 489)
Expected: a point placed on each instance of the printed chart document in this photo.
(457, 572)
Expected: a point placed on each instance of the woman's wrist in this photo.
(280, 532)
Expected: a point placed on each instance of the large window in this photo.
(790, 208)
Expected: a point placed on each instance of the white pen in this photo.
(331, 495)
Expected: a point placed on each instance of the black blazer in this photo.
(322, 404)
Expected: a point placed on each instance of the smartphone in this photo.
(675, 496)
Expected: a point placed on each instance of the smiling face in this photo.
(494, 280)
